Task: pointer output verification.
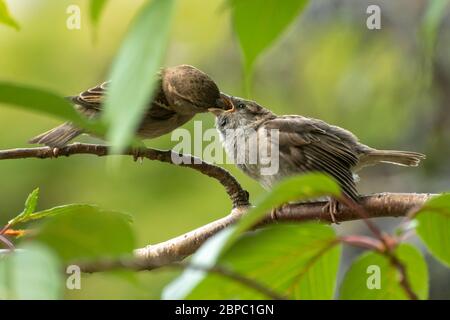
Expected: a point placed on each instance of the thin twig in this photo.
(228, 273)
(363, 242)
(404, 280)
(378, 246)
(388, 245)
(238, 196)
(365, 217)
(8, 243)
(178, 248)
(6, 227)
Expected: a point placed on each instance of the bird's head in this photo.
(232, 112)
(189, 90)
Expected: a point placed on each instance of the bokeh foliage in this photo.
(324, 67)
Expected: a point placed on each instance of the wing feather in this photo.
(90, 103)
(311, 148)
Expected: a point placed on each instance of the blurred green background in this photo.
(327, 65)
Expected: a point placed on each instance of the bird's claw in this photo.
(332, 208)
(56, 152)
(137, 155)
(274, 212)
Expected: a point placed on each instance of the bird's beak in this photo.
(224, 104)
(216, 111)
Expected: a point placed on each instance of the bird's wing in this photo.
(92, 99)
(160, 108)
(311, 148)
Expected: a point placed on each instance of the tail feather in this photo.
(401, 158)
(57, 137)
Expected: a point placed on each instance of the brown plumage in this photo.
(305, 145)
(182, 92)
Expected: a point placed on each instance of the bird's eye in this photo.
(241, 105)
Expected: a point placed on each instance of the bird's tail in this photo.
(401, 158)
(57, 137)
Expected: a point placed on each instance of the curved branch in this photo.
(176, 249)
(237, 194)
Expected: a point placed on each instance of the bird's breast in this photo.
(251, 151)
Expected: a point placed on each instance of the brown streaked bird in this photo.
(182, 92)
(304, 144)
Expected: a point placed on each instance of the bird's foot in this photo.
(56, 152)
(137, 155)
(273, 214)
(137, 150)
(332, 208)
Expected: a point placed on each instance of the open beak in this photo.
(225, 104)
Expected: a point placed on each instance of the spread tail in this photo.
(401, 158)
(57, 137)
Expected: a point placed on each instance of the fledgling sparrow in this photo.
(182, 92)
(304, 145)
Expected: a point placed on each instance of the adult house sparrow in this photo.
(182, 92)
(304, 145)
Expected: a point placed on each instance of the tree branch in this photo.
(176, 249)
(227, 273)
(237, 194)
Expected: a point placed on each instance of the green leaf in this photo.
(96, 8)
(206, 256)
(296, 261)
(78, 232)
(44, 102)
(360, 281)
(298, 188)
(134, 71)
(434, 227)
(31, 202)
(5, 16)
(432, 20)
(30, 207)
(71, 208)
(32, 272)
(259, 23)
(429, 32)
